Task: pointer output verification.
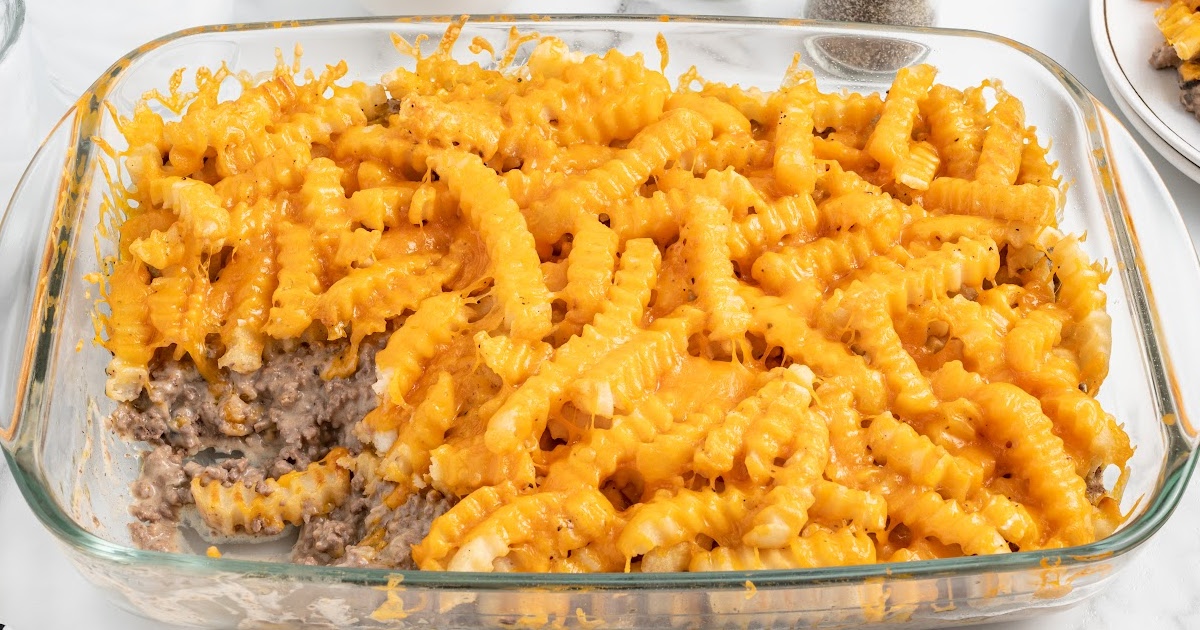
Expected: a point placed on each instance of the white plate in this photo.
(1183, 164)
(1124, 34)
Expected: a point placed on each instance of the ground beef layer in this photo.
(251, 427)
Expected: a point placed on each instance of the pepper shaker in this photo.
(867, 54)
(898, 12)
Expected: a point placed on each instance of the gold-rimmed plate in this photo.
(1124, 34)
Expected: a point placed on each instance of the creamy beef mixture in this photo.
(290, 417)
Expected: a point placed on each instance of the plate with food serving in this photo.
(1149, 53)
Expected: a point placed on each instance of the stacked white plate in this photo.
(1125, 34)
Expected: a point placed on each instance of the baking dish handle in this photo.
(1171, 281)
(27, 245)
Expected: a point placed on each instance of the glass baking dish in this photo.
(75, 473)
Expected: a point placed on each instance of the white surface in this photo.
(39, 589)
(1124, 33)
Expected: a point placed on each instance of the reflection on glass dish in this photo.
(858, 54)
(864, 54)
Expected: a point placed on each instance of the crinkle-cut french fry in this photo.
(727, 439)
(253, 272)
(292, 499)
(891, 138)
(724, 118)
(470, 126)
(576, 517)
(1031, 339)
(1180, 25)
(631, 371)
(954, 130)
(705, 237)
(928, 514)
(130, 331)
(784, 511)
(295, 296)
(514, 261)
(407, 460)
(590, 268)
(1091, 434)
(1000, 156)
(793, 168)
(460, 519)
(1015, 419)
(670, 519)
(523, 415)
(202, 215)
(917, 169)
(1090, 330)
(513, 361)
(901, 448)
(835, 502)
(400, 363)
(1028, 203)
(820, 548)
(649, 151)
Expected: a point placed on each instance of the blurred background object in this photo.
(17, 103)
(401, 7)
(12, 18)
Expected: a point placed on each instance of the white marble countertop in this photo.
(73, 41)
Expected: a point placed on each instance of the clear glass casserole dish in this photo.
(75, 473)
